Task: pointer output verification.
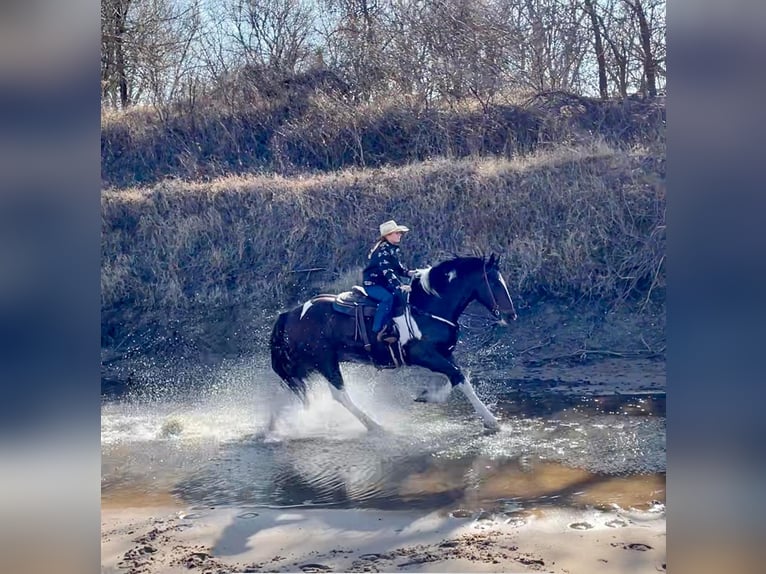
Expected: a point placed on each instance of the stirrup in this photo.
(384, 336)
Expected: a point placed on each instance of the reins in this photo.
(495, 307)
(431, 315)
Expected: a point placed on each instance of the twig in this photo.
(648, 348)
(538, 346)
(654, 282)
(583, 353)
(113, 359)
(115, 354)
(308, 271)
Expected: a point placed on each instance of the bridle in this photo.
(495, 305)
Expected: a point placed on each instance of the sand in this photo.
(170, 538)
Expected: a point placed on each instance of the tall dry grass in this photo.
(586, 220)
(315, 130)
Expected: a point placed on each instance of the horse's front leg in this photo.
(427, 356)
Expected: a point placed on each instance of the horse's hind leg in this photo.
(331, 370)
(298, 388)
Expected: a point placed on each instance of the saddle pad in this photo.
(348, 301)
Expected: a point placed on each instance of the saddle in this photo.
(351, 302)
(356, 303)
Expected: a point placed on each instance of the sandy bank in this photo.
(226, 540)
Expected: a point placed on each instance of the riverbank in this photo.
(171, 538)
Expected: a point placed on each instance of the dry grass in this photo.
(583, 220)
(313, 131)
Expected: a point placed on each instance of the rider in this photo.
(381, 276)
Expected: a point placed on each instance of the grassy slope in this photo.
(572, 222)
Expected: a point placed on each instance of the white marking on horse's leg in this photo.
(489, 420)
(306, 306)
(342, 397)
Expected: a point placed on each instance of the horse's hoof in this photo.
(437, 395)
(491, 427)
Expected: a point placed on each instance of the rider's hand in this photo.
(405, 288)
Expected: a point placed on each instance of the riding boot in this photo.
(386, 335)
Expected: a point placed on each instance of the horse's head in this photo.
(492, 292)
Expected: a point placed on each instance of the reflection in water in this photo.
(214, 447)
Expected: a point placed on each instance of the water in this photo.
(233, 436)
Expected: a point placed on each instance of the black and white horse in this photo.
(316, 338)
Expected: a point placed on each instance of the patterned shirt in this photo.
(384, 266)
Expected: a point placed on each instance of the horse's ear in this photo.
(493, 261)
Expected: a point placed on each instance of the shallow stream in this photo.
(209, 437)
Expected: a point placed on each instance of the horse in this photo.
(314, 338)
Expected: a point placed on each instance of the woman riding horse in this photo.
(314, 338)
(381, 277)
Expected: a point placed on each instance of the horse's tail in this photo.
(281, 362)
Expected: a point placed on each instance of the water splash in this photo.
(233, 435)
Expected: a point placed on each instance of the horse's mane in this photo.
(434, 280)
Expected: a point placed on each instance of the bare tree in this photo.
(618, 33)
(467, 48)
(159, 51)
(114, 75)
(598, 44)
(643, 9)
(634, 32)
(164, 49)
(554, 51)
(146, 50)
(357, 35)
(273, 34)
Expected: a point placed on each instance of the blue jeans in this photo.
(385, 305)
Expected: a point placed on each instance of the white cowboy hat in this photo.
(391, 226)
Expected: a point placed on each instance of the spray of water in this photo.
(233, 434)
